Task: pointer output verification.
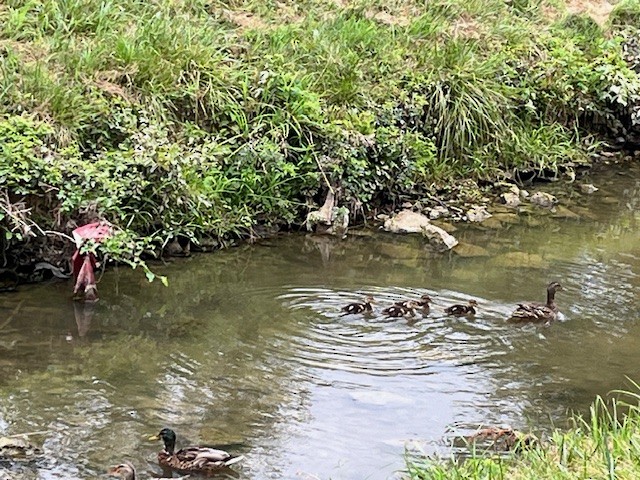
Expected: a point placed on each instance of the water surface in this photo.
(247, 348)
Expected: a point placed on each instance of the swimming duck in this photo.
(358, 307)
(423, 303)
(125, 471)
(401, 309)
(191, 459)
(539, 312)
(462, 310)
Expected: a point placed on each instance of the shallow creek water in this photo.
(246, 348)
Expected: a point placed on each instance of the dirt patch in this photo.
(245, 20)
(598, 10)
(28, 52)
(401, 19)
(465, 27)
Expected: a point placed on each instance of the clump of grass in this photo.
(626, 13)
(602, 445)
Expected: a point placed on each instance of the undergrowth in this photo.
(205, 119)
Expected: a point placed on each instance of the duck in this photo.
(192, 459)
(423, 303)
(462, 310)
(125, 470)
(401, 309)
(359, 307)
(539, 312)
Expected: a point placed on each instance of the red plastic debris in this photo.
(83, 265)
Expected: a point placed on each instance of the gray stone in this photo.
(588, 188)
(438, 212)
(543, 199)
(406, 221)
(478, 214)
(438, 237)
(511, 199)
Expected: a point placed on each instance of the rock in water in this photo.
(543, 199)
(406, 221)
(411, 222)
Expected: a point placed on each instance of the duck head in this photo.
(168, 436)
(425, 300)
(554, 287)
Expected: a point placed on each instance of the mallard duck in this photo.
(462, 310)
(358, 307)
(398, 310)
(191, 459)
(423, 303)
(539, 312)
(125, 470)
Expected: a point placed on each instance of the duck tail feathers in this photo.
(233, 460)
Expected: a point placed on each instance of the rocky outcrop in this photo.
(412, 222)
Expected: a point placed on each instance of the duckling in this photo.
(358, 307)
(539, 312)
(125, 471)
(191, 459)
(462, 310)
(422, 304)
(401, 309)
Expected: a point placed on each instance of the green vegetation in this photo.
(204, 119)
(604, 445)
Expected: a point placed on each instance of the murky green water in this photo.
(247, 348)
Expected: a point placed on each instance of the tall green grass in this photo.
(244, 110)
(605, 444)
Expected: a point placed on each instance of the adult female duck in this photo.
(539, 312)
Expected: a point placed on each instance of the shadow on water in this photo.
(247, 347)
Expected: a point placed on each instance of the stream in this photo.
(246, 348)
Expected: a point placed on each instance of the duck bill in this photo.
(154, 437)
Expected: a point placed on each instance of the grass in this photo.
(220, 116)
(605, 444)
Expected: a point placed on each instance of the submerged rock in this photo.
(519, 260)
(511, 218)
(469, 250)
(564, 212)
